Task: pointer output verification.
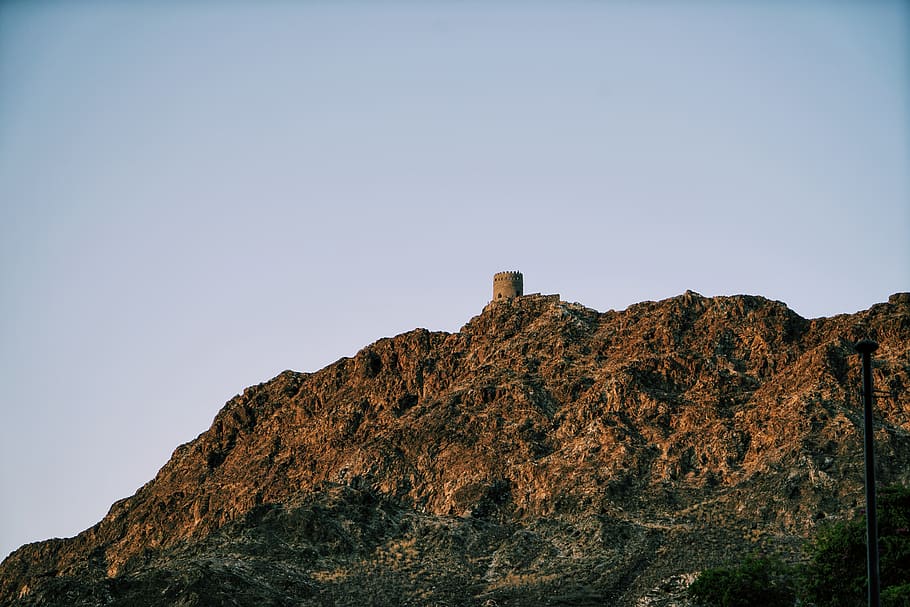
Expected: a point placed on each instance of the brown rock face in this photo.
(544, 454)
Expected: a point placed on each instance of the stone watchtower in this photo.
(507, 285)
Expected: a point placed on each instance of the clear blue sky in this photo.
(195, 196)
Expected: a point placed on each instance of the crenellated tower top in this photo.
(507, 285)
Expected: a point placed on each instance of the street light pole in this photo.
(866, 347)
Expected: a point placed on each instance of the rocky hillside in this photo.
(545, 454)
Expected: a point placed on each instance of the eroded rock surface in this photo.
(545, 454)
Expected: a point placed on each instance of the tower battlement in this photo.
(507, 285)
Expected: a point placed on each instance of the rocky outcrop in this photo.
(546, 453)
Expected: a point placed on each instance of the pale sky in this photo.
(195, 196)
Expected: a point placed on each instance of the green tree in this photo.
(896, 596)
(756, 582)
(836, 573)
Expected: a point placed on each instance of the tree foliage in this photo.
(756, 582)
(835, 574)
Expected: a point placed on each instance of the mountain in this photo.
(545, 454)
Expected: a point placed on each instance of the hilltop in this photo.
(544, 454)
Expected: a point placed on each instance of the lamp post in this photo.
(866, 347)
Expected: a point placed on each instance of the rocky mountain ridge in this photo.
(544, 454)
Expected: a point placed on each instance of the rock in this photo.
(545, 453)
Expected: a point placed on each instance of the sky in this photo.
(197, 196)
